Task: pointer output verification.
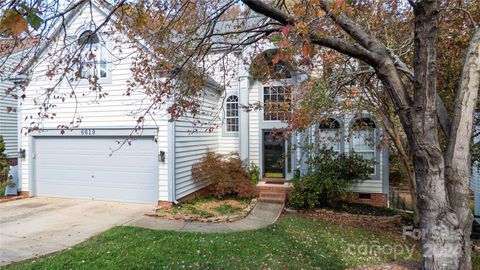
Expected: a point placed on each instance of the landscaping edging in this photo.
(198, 218)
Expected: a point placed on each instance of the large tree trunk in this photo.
(457, 158)
(442, 239)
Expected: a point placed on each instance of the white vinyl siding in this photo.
(8, 117)
(114, 111)
(228, 144)
(193, 142)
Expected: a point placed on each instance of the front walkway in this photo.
(261, 216)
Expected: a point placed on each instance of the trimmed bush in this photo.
(331, 177)
(225, 174)
(4, 167)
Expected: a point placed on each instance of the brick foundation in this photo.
(165, 204)
(22, 195)
(376, 199)
(197, 194)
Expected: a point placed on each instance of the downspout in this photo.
(172, 190)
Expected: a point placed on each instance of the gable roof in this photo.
(101, 6)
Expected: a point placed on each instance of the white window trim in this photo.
(107, 48)
(230, 117)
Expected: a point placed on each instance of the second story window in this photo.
(277, 103)
(93, 57)
(231, 113)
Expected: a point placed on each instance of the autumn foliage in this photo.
(225, 174)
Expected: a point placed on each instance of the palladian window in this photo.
(93, 57)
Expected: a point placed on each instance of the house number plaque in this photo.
(88, 132)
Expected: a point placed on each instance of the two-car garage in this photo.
(96, 167)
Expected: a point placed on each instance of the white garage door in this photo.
(82, 167)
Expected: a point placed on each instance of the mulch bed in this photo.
(384, 223)
(166, 214)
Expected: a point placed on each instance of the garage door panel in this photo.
(85, 167)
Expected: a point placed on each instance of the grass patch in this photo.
(476, 260)
(210, 206)
(292, 243)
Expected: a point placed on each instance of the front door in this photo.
(273, 154)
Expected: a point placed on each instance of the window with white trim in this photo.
(363, 139)
(329, 134)
(231, 113)
(93, 57)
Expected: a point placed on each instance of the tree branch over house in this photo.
(179, 47)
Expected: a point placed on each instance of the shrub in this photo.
(254, 172)
(225, 174)
(4, 167)
(331, 176)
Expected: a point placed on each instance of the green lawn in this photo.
(292, 243)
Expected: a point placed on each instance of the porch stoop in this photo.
(274, 190)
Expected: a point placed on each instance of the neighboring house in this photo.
(475, 185)
(95, 162)
(9, 128)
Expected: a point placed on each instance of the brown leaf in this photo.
(14, 23)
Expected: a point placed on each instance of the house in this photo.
(475, 183)
(103, 155)
(9, 106)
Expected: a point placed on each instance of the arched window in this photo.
(329, 134)
(363, 139)
(93, 60)
(231, 113)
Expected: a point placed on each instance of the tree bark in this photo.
(457, 157)
(442, 239)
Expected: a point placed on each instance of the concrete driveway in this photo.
(38, 226)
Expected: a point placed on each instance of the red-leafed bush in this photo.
(225, 174)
